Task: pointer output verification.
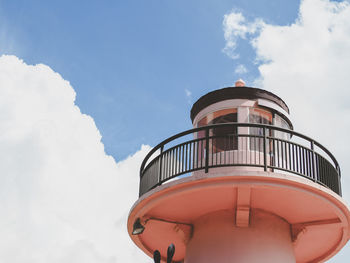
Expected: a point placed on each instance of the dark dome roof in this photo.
(235, 93)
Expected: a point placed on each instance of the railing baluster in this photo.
(226, 148)
(231, 148)
(301, 160)
(206, 150)
(167, 165)
(297, 152)
(283, 153)
(178, 162)
(174, 162)
(212, 151)
(246, 149)
(278, 153)
(254, 148)
(197, 157)
(265, 157)
(310, 163)
(338, 178)
(314, 168)
(303, 157)
(190, 158)
(216, 151)
(171, 162)
(185, 157)
(306, 162)
(201, 149)
(302, 170)
(258, 149)
(289, 158)
(160, 165)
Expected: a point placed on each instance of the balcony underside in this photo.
(318, 217)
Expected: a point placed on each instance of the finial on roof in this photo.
(240, 83)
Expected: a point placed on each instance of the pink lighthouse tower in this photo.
(241, 186)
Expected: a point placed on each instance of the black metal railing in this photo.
(256, 145)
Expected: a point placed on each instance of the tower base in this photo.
(216, 238)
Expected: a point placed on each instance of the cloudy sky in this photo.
(87, 87)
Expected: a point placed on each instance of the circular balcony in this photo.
(261, 147)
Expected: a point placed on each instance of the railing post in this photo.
(314, 168)
(160, 165)
(141, 175)
(207, 150)
(339, 177)
(273, 158)
(265, 143)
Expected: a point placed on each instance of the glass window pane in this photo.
(258, 116)
(223, 138)
(280, 122)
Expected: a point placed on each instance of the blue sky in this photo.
(136, 68)
(131, 61)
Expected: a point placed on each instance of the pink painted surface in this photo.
(217, 239)
(294, 199)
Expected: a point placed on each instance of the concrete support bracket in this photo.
(299, 228)
(243, 206)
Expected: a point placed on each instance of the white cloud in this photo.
(241, 69)
(235, 27)
(307, 63)
(62, 198)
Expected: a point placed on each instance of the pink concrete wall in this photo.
(217, 239)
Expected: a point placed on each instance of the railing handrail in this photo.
(236, 124)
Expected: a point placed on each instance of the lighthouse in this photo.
(241, 186)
